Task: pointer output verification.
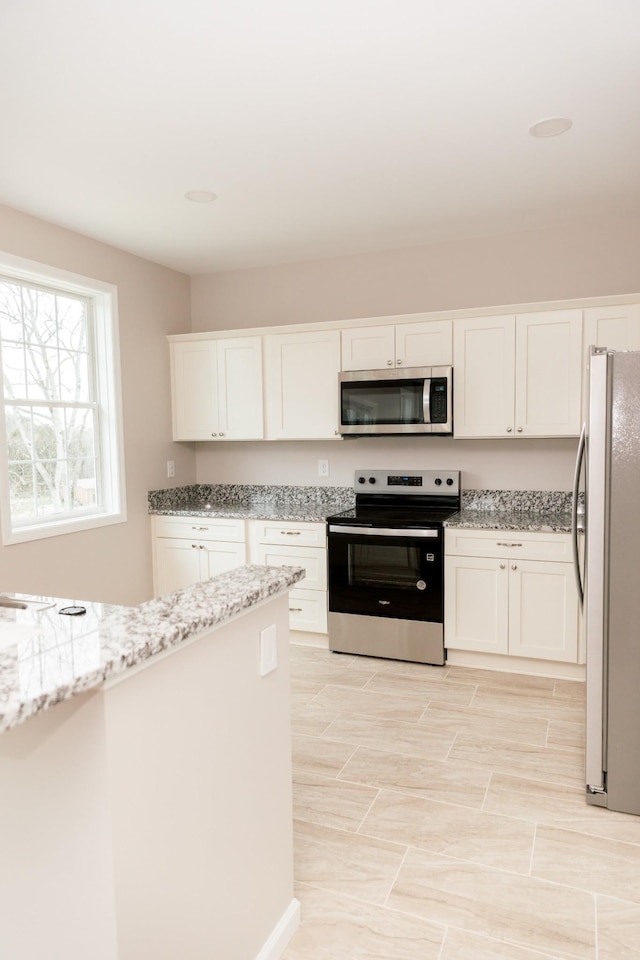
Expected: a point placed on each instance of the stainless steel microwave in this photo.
(411, 400)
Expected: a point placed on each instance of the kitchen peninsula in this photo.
(145, 781)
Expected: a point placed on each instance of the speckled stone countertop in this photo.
(534, 510)
(251, 502)
(46, 657)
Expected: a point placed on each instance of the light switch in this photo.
(268, 650)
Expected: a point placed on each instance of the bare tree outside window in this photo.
(51, 411)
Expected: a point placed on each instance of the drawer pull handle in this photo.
(291, 533)
(508, 544)
(295, 609)
(199, 528)
(194, 546)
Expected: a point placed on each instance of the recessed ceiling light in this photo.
(551, 127)
(200, 196)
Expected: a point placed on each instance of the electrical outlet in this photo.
(171, 468)
(323, 468)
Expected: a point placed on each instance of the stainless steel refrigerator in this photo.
(609, 578)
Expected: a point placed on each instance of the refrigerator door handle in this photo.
(582, 445)
(596, 571)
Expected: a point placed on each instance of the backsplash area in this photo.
(242, 493)
(343, 497)
(517, 500)
(499, 464)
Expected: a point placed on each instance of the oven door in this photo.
(386, 572)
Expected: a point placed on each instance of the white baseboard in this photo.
(281, 934)
(496, 661)
(304, 639)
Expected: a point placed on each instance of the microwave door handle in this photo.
(426, 400)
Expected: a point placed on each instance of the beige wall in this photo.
(112, 564)
(590, 259)
(587, 259)
(497, 464)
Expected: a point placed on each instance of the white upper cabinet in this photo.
(616, 328)
(484, 376)
(518, 376)
(217, 389)
(240, 412)
(368, 348)
(414, 344)
(548, 373)
(301, 385)
(194, 389)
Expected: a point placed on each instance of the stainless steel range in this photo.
(386, 565)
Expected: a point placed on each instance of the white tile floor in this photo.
(440, 815)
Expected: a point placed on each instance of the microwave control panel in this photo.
(438, 400)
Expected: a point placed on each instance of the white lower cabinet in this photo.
(511, 592)
(296, 544)
(186, 551)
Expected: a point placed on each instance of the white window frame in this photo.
(106, 343)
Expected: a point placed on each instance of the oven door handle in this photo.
(384, 532)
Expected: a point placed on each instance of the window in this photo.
(61, 463)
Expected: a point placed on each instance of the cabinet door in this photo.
(240, 389)
(177, 564)
(301, 385)
(548, 374)
(424, 344)
(368, 348)
(543, 611)
(219, 557)
(308, 610)
(483, 377)
(476, 604)
(313, 559)
(617, 328)
(194, 389)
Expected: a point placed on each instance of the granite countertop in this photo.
(46, 657)
(238, 501)
(544, 511)
(535, 510)
(260, 510)
(545, 521)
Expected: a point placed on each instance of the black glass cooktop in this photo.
(400, 516)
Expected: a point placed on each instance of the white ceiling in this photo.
(325, 127)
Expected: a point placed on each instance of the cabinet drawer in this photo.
(508, 543)
(290, 533)
(189, 528)
(308, 610)
(313, 559)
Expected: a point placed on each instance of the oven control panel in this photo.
(445, 482)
